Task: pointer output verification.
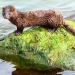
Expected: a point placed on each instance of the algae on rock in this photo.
(52, 50)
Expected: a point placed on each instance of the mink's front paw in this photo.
(17, 32)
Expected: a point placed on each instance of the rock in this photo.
(37, 48)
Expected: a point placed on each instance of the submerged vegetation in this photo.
(40, 48)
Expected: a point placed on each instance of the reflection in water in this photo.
(35, 72)
(6, 68)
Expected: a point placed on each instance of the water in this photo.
(67, 9)
(6, 68)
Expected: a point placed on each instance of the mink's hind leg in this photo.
(18, 31)
(50, 28)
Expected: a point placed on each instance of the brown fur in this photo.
(46, 18)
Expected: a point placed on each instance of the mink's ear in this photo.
(13, 9)
(3, 8)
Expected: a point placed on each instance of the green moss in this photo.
(42, 47)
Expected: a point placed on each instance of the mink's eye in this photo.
(4, 13)
(9, 13)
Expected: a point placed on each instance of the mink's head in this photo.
(9, 12)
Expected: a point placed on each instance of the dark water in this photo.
(35, 72)
(67, 9)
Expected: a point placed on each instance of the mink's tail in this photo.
(69, 28)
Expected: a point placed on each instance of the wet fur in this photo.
(46, 18)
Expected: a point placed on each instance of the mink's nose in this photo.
(6, 15)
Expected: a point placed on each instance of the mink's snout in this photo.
(6, 15)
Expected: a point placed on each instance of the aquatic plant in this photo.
(43, 50)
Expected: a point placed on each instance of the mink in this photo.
(46, 18)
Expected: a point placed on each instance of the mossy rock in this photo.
(41, 49)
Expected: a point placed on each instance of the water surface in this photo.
(6, 68)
